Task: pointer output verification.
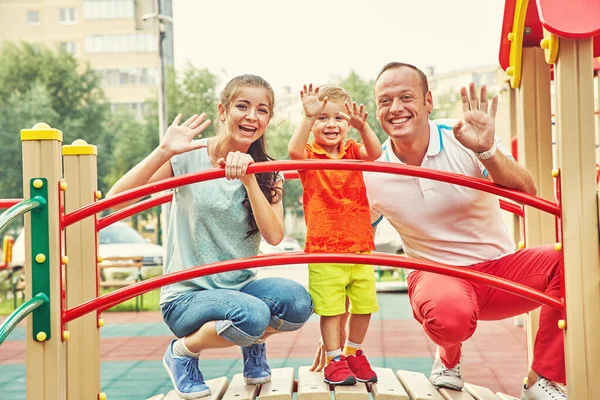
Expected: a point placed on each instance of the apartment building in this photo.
(111, 35)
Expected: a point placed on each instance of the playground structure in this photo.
(61, 225)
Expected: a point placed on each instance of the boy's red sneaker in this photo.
(338, 373)
(361, 368)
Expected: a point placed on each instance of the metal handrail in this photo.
(20, 313)
(19, 209)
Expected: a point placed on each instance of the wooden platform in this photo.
(401, 385)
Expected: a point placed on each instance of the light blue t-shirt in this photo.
(208, 223)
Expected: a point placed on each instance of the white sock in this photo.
(181, 350)
(332, 354)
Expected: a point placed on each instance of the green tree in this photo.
(19, 110)
(74, 101)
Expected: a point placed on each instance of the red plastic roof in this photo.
(574, 19)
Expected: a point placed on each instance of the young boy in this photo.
(338, 219)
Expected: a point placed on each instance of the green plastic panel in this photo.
(40, 272)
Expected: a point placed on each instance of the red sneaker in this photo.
(361, 368)
(338, 373)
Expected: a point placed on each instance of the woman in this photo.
(220, 220)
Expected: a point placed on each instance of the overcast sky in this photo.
(292, 42)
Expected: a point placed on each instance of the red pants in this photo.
(449, 308)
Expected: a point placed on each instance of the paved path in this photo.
(133, 344)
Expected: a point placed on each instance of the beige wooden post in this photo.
(45, 368)
(597, 115)
(576, 160)
(534, 133)
(83, 349)
(513, 126)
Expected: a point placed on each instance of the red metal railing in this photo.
(392, 260)
(8, 203)
(380, 167)
(162, 198)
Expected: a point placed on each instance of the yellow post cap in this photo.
(41, 131)
(98, 194)
(545, 43)
(41, 336)
(510, 71)
(66, 335)
(40, 258)
(79, 147)
(100, 259)
(510, 36)
(100, 322)
(38, 183)
(555, 172)
(63, 185)
(521, 244)
(65, 260)
(558, 246)
(561, 324)
(102, 396)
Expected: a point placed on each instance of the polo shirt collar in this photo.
(435, 139)
(343, 149)
(434, 148)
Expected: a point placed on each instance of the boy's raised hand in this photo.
(356, 116)
(310, 101)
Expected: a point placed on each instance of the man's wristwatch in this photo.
(487, 154)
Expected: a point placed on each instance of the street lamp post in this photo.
(162, 20)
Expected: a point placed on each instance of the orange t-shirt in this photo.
(336, 208)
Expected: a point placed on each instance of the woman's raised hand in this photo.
(180, 138)
(236, 165)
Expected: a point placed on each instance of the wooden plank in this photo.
(217, 386)
(503, 396)
(238, 390)
(418, 386)
(281, 386)
(388, 387)
(355, 392)
(480, 392)
(311, 385)
(448, 394)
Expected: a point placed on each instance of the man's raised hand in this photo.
(476, 131)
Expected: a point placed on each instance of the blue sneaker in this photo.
(185, 375)
(256, 369)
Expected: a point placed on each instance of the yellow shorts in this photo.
(329, 284)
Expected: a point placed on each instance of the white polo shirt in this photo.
(439, 221)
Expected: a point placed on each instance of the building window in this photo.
(69, 47)
(129, 76)
(108, 9)
(140, 43)
(33, 17)
(66, 15)
(139, 109)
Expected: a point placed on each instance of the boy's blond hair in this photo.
(334, 93)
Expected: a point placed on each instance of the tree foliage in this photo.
(41, 85)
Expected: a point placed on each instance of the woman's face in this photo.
(248, 115)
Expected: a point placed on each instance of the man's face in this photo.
(402, 105)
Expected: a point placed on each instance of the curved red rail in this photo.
(8, 203)
(136, 289)
(380, 167)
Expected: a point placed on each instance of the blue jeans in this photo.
(241, 316)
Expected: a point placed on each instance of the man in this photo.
(459, 226)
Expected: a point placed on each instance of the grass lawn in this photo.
(151, 300)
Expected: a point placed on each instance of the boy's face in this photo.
(330, 129)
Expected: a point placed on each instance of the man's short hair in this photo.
(334, 93)
(396, 64)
